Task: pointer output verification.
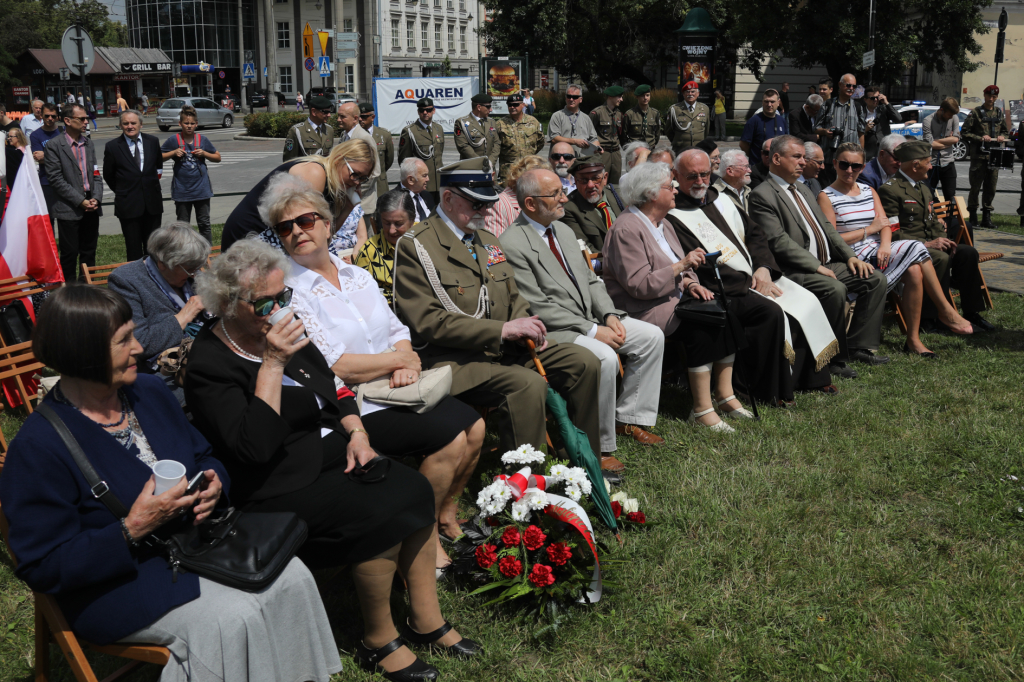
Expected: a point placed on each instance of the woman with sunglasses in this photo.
(857, 213)
(159, 289)
(266, 399)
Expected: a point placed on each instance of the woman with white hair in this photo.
(648, 274)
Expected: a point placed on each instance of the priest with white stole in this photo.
(755, 289)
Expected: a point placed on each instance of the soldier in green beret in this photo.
(519, 134)
(687, 122)
(607, 121)
(424, 140)
(385, 145)
(985, 124)
(475, 134)
(641, 123)
(312, 137)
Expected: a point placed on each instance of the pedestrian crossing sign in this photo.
(325, 67)
(249, 71)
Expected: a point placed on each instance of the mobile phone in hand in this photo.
(195, 483)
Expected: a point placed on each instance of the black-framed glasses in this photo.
(76, 118)
(574, 96)
(563, 157)
(427, 109)
(49, 115)
(512, 105)
(306, 221)
(703, 176)
(366, 116)
(873, 99)
(849, 85)
(474, 204)
(846, 165)
(765, 152)
(264, 304)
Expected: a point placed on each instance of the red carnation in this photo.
(541, 575)
(636, 517)
(511, 537)
(491, 521)
(510, 567)
(559, 553)
(534, 538)
(617, 509)
(486, 555)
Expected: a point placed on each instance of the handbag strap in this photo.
(100, 489)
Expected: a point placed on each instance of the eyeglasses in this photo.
(556, 195)
(358, 177)
(765, 152)
(562, 157)
(485, 106)
(264, 304)
(306, 221)
(49, 115)
(669, 187)
(574, 96)
(76, 118)
(514, 105)
(846, 165)
(366, 116)
(474, 204)
(871, 98)
(702, 176)
(427, 109)
(190, 273)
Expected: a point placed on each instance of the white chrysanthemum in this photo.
(491, 508)
(524, 454)
(585, 486)
(557, 471)
(520, 510)
(630, 506)
(575, 476)
(620, 497)
(536, 499)
(483, 498)
(573, 493)
(500, 492)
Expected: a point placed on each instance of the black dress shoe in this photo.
(927, 355)
(980, 323)
(369, 659)
(841, 369)
(867, 357)
(464, 648)
(612, 478)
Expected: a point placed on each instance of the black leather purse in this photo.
(246, 551)
(698, 311)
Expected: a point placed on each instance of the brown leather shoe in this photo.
(638, 434)
(609, 463)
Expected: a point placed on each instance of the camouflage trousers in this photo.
(980, 175)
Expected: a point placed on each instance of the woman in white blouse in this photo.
(349, 320)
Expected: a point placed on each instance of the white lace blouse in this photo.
(353, 319)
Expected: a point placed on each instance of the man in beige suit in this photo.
(348, 119)
(573, 304)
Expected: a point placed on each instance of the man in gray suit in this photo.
(571, 301)
(70, 163)
(811, 253)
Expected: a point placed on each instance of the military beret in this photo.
(992, 90)
(582, 165)
(365, 108)
(691, 85)
(912, 150)
(424, 103)
(481, 99)
(613, 91)
(642, 90)
(320, 102)
(472, 177)
(514, 99)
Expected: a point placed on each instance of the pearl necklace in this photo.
(238, 349)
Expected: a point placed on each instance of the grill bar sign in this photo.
(146, 67)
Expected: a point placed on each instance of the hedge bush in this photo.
(547, 102)
(278, 125)
(661, 99)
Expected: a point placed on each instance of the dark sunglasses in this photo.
(473, 203)
(306, 221)
(485, 106)
(871, 98)
(49, 115)
(563, 157)
(264, 304)
(76, 118)
(846, 165)
(574, 96)
(514, 105)
(849, 85)
(369, 115)
(427, 109)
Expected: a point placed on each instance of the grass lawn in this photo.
(871, 535)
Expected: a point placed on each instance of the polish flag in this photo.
(26, 236)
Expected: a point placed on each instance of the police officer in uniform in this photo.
(312, 137)
(641, 123)
(385, 145)
(907, 197)
(607, 121)
(687, 122)
(985, 124)
(424, 140)
(475, 134)
(456, 292)
(519, 134)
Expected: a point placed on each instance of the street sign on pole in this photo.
(65, 74)
(72, 56)
(324, 67)
(264, 72)
(249, 71)
(324, 36)
(307, 43)
(309, 64)
(868, 60)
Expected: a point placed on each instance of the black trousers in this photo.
(76, 240)
(50, 196)
(136, 233)
(961, 271)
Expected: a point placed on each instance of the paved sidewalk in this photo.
(1006, 273)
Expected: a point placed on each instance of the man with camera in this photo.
(841, 120)
(984, 128)
(878, 117)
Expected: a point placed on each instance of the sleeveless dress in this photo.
(857, 213)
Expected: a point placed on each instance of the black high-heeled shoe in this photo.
(464, 648)
(369, 659)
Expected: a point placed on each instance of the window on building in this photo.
(285, 76)
(460, 72)
(350, 78)
(437, 3)
(349, 27)
(283, 34)
(424, 38)
(451, 38)
(410, 35)
(462, 38)
(451, 4)
(396, 72)
(395, 40)
(280, 2)
(462, 5)
(437, 37)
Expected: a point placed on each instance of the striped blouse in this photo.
(852, 213)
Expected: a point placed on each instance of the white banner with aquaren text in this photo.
(394, 100)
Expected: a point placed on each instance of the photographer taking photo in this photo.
(841, 121)
(878, 115)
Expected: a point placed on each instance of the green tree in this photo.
(446, 66)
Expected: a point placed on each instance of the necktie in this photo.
(421, 209)
(603, 205)
(138, 156)
(550, 236)
(819, 236)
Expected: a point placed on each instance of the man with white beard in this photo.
(734, 181)
(589, 213)
(561, 157)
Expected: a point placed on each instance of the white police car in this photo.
(913, 114)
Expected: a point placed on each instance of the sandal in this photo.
(464, 648)
(369, 659)
(729, 414)
(721, 427)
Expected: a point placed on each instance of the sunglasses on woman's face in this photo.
(846, 165)
(264, 304)
(358, 177)
(306, 221)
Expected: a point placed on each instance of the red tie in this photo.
(603, 205)
(554, 249)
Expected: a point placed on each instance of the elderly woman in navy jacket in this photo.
(110, 584)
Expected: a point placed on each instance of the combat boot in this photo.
(986, 220)
(972, 217)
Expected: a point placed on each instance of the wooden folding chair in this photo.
(214, 252)
(98, 274)
(21, 287)
(956, 210)
(16, 361)
(588, 257)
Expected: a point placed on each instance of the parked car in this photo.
(229, 100)
(913, 114)
(258, 98)
(208, 112)
(331, 94)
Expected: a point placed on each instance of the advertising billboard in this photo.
(394, 100)
(503, 76)
(697, 63)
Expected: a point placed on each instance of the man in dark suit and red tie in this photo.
(132, 164)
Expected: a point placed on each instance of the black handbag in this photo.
(15, 323)
(698, 311)
(246, 551)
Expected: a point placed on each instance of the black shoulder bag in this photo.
(246, 551)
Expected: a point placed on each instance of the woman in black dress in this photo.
(265, 398)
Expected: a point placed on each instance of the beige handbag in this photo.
(423, 396)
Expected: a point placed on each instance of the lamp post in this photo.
(1004, 19)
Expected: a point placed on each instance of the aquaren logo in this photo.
(412, 95)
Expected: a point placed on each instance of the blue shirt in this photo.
(191, 180)
(39, 140)
(760, 128)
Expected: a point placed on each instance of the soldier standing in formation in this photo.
(385, 145)
(985, 124)
(424, 140)
(312, 137)
(686, 122)
(641, 123)
(520, 135)
(475, 134)
(607, 121)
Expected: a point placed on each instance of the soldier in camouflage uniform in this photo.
(687, 122)
(475, 135)
(385, 146)
(312, 137)
(641, 123)
(985, 124)
(520, 135)
(607, 121)
(424, 140)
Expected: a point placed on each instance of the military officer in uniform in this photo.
(589, 212)
(312, 137)
(519, 135)
(985, 124)
(907, 198)
(425, 141)
(687, 122)
(385, 145)
(607, 121)
(456, 292)
(641, 123)
(475, 134)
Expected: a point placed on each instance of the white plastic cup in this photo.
(281, 314)
(168, 472)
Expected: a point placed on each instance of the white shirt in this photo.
(912, 181)
(542, 231)
(353, 319)
(812, 247)
(658, 231)
(459, 234)
(417, 201)
(30, 124)
(131, 149)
